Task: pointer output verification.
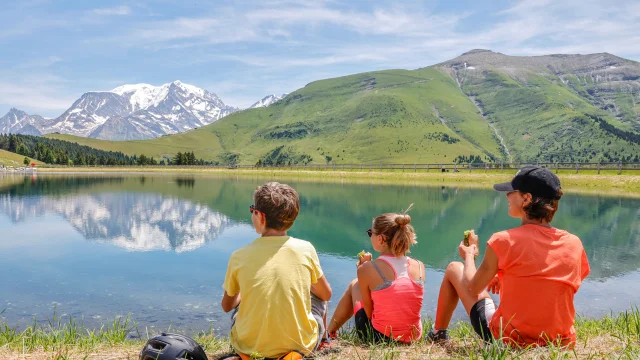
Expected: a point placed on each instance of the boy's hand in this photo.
(364, 258)
(494, 285)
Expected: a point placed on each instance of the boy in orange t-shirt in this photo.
(536, 269)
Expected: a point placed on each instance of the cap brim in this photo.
(505, 187)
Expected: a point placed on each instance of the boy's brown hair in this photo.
(280, 204)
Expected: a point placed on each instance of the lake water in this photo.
(156, 247)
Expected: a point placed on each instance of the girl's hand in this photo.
(466, 251)
(364, 258)
(494, 285)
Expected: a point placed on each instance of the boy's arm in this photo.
(230, 286)
(230, 302)
(322, 289)
(319, 285)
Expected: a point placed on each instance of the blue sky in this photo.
(51, 52)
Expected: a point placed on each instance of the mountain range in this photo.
(130, 112)
(480, 106)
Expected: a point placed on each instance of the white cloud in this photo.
(40, 93)
(118, 10)
(41, 63)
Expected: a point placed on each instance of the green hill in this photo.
(12, 159)
(479, 106)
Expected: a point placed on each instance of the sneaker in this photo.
(326, 347)
(438, 336)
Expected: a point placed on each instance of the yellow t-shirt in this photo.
(273, 276)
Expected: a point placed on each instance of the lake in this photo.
(156, 246)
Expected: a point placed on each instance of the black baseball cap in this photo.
(535, 180)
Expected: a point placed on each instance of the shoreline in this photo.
(608, 183)
(612, 336)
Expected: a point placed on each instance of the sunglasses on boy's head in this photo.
(369, 232)
(253, 209)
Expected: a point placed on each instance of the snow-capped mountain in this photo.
(267, 100)
(87, 113)
(128, 112)
(156, 111)
(19, 122)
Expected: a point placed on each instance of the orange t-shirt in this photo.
(540, 270)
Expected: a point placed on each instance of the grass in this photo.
(12, 159)
(613, 336)
(587, 181)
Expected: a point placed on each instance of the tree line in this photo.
(60, 152)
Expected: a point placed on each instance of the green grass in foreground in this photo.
(613, 336)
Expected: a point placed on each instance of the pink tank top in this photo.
(397, 303)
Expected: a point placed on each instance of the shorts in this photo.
(480, 316)
(365, 330)
(318, 310)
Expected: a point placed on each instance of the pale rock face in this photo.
(267, 100)
(19, 122)
(128, 112)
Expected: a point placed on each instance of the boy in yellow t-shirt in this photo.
(274, 275)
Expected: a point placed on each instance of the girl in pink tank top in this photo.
(386, 297)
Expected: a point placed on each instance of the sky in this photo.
(51, 52)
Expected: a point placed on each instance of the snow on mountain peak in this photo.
(268, 100)
(190, 88)
(141, 96)
(128, 112)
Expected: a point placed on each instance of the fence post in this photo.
(501, 165)
(414, 168)
(577, 167)
(598, 167)
(455, 168)
(380, 167)
(402, 167)
(427, 167)
(486, 167)
(619, 168)
(469, 167)
(342, 167)
(556, 168)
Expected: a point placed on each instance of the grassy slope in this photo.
(371, 117)
(12, 159)
(542, 118)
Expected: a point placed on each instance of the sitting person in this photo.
(536, 269)
(386, 297)
(274, 276)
